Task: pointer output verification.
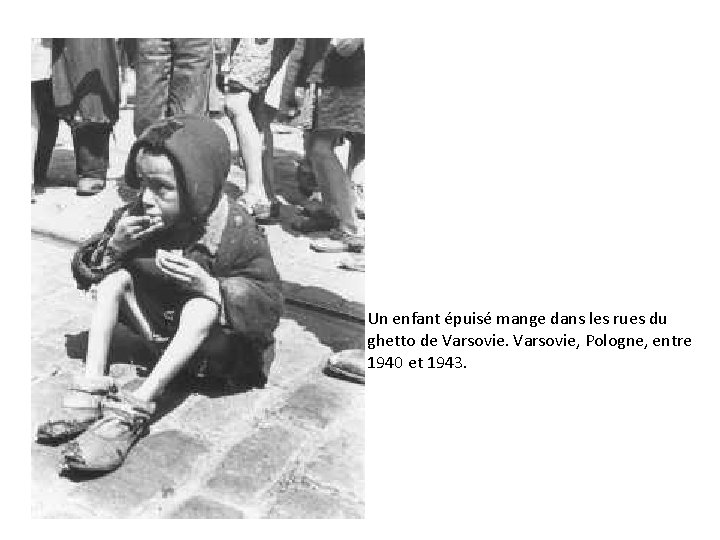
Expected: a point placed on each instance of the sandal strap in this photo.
(78, 400)
(93, 385)
(128, 407)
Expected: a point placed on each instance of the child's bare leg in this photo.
(263, 117)
(113, 293)
(197, 319)
(249, 142)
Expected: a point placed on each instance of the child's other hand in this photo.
(130, 231)
(188, 273)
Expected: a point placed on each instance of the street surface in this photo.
(294, 449)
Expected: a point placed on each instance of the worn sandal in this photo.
(80, 408)
(106, 444)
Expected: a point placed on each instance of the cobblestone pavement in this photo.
(291, 450)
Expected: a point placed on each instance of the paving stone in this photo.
(48, 489)
(255, 462)
(45, 397)
(64, 334)
(45, 360)
(316, 403)
(45, 462)
(215, 416)
(339, 463)
(201, 508)
(297, 352)
(54, 315)
(156, 466)
(304, 501)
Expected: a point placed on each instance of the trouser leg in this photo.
(91, 143)
(152, 78)
(190, 82)
(48, 125)
(333, 180)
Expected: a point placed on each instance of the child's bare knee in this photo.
(199, 315)
(115, 284)
(237, 105)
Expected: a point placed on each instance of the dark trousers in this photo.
(91, 142)
(172, 77)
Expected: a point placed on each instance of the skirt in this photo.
(334, 108)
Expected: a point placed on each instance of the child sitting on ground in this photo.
(180, 264)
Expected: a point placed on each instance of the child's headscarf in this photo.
(199, 149)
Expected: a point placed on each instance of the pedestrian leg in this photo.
(334, 183)
(250, 144)
(191, 73)
(48, 126)
(153, 69)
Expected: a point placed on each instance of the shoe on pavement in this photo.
(313, 207)
(320, 222)
(354, 262)
(263, 212)
(81, 407)
(339, 242)
(306, 182)
(348, 365)
(90, 186)
(106, 444)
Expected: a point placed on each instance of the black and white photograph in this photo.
(197, 278)
(509, 333)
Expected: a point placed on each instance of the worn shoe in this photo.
(80, 408)
(348, 365)
(316, 223)
(106, 444)
(266, 213)
(354, 262)
(313, 207)
(338, 242)
(263, 212)
(90, 186)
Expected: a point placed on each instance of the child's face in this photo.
(160, 195)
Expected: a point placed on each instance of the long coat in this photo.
(85, 80)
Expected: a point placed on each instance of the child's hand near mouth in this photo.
(132, 230)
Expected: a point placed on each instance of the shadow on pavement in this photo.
(61, 172)
(337, 323)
